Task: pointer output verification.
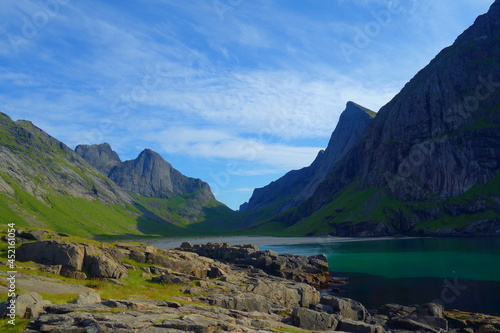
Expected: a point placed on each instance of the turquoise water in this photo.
(461, 273)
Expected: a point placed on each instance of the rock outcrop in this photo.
(73, 258)
(26, 306)
(222, 295)
(150, 175)
(311, 270)
(101, 157)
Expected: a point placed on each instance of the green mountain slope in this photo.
(45, 184)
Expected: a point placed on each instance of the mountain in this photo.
(148, 175)
(429, 162)
(298, 185)
(45, 184)
(156, 185)
(151, 176)
(101, 157)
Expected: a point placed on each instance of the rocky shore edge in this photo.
(222, 288)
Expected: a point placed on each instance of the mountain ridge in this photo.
(418, 167)
(298, 185)
(45, 184)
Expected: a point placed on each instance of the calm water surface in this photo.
(461, 273)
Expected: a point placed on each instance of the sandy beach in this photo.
(169, 243)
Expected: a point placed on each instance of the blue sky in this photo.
(235, 92)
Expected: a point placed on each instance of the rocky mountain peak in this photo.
(151, 176)
(301, 184)
(432, 151)
(485, 26)
(354, 110)
(100, 156)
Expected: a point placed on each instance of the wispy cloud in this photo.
(208, 143)
(263, 84)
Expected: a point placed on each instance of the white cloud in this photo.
(213, 144)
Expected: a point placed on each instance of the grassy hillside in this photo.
(354, 206)
(45, 184)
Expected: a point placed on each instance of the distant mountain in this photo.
(429, 162)
(101, 157)
(43, 183)
(149, 176)
(298, 185)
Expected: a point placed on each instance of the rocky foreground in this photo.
(221, 288)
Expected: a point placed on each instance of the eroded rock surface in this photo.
(311, 270)
(237, 292)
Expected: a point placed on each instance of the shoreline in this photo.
(170, 243)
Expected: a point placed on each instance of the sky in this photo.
(235, 92)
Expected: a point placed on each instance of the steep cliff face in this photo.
(148, 175)
(298, 185)
(101, 157)
(160, 190)
(151, 176)
(430, 159)
(352, 125)
(440, 135)
(278, 192)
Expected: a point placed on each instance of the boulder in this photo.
(68, 254)
(37, 235)
(103, 266)
(288, 295)
(345, 307)
(239, 301)
(87, 298)
(411, 325)
(52, 269)
(71, 259)
(313, 320)
(216, 272)
(353, 326)
(74, 274)
(430, 310)
(27, 305)
(169, 279)
(191, 323)
(427, 317)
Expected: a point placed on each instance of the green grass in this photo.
(94, 219)
(137, 285)
(197, 214)
(75, 216)
(59, 298)
(454, 222)
(20, 325)
(353, 206)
